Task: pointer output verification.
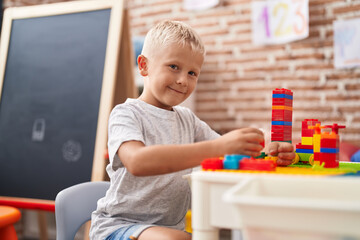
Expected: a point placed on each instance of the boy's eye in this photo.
(173, 66)
(192, 73)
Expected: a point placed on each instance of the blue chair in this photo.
(74, 205)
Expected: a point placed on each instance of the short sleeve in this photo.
(203, 132)
(123, 127)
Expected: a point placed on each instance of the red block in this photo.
(212, 164)
(331, 160)
(282, 139)
(300, 146)
(307, 132)
(309, 122)
(317, 156)
(281, 115)
(285, 135)
(282, 102)
(329, 143)
(258, 165)
(281, 128)
(282, 91)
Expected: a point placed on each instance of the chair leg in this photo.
(8, 233)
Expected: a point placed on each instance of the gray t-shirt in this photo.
(160, 200)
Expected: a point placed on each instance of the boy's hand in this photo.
(284, 151)
(245, 141)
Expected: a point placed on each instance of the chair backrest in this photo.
(74, 205)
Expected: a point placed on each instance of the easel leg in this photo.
(42, 225)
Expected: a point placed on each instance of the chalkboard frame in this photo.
(118, 54)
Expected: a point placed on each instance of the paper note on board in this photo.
(279, 21)
(347, 43)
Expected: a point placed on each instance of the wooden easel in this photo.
(118, 80)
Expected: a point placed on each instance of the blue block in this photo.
(304, 151)
(232, 161)
(282, 95)
(329, 150)
(281, 123)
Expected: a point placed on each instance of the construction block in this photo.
(329, 143)
(280, 139)
(306, 140)
(307, 132)
(301, 146)
(316, 142)
(281, 128)
(281, 115)
(282, 102)
(309, 122)
(317, 156)
(271, 158)
(303, 157)
(212, 164)
(286, 123)
(280, 135)
(329, 150)
(283, 91)
(304, 151)
(258, 165)
(331, 160)
(328, 135)
(232, 161)
(281, 107)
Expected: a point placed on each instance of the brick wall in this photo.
(237, 80)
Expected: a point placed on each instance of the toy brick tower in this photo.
(281, 124)
(329, 147)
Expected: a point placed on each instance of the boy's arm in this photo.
(141, 160)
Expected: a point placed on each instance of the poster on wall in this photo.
(347, 43)
(200, 4)
(279, 21)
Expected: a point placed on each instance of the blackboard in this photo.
(57, 92)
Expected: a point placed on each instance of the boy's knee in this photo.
(163, 233)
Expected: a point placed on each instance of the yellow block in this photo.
(307, 141)
(274, 159)
(316, 140)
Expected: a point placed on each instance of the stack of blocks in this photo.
(281, 124)
(329, 147)
(306, 147)
(239, 162)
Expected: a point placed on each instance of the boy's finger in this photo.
(273, 148)
(254, 137)
(253, 130)
(286, 155)
(251, 153)
(253, 147)
(285, 147)
(283, 162)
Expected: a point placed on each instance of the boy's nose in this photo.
(182, 80)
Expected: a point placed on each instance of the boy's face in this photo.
(170, 75)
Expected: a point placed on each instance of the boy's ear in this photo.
(142, 65)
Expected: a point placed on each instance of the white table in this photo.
(273, 206)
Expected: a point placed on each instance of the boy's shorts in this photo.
(124, 233)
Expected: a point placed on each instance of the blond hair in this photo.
(169, 32)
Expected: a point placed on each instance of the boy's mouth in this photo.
(178, 91)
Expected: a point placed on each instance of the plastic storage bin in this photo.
(298, 208)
